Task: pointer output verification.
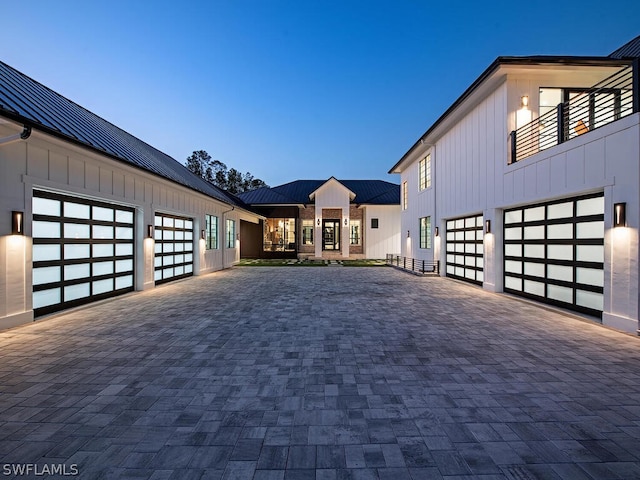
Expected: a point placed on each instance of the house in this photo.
(529, 184)
(331, 219)
(88, 211)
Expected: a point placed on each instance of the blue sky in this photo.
(289, 89)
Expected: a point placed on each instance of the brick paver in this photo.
(320, 373)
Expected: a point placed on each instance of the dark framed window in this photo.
(211, 232)
(425, 232)
(231, 233)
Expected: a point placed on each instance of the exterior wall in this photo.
(386, 238)
(471, 175)
(49, 163)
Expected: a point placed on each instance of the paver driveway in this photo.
(320, 373)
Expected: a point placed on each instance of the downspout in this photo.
(26, 133)
(224, 229)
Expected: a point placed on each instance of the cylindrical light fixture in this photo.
(437, 232)
(524, 101)
(487, 226)
(202, 235)
(17, 223)
(149, 231)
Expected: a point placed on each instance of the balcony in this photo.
(610, 100)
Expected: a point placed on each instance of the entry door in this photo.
(331, 235)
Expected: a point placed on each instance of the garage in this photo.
(465, 257)
(173, 247)
(554, 252)
(82, 251)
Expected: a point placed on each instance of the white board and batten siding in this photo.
(49, 164)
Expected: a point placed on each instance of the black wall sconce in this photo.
(202, 235)
(17, 223)
(487, 226)
(437, 232)
(620, 214)
(149, 231)
(318, 222)
(408, 233)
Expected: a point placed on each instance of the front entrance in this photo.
(331, 235)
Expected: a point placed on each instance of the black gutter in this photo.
(524, 61)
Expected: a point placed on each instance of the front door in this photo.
(331, 235)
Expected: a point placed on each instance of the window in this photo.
(405, 196)
(231, 233)
(425, 172)
(307, 232)
(211, 232)
(374, 223)
(425, 232)
(354, 232)
(279, 235)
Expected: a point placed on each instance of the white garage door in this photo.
(554, 252)
(174, 247)
(465, 259)
(82, 251)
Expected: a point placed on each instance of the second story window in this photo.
(405, 196)
(424, 172)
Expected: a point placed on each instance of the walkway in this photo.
(320, 373)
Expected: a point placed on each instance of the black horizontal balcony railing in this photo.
(413, 265)
(608, 101)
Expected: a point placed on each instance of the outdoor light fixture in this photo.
(202, 235)
(524, 101)
(408, 234)
(619, 214)
(149, 231)
(487, 226)
(17, 223)
(437, 232)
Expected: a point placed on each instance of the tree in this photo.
(217, 173)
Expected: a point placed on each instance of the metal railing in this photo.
(414, 265)
(610, 100)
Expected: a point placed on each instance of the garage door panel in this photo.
(174, 244)
(75, 244)
(560, 246)
(465, 248)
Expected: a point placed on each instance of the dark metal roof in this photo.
(628, 50)
(371, 192)
(27, 101)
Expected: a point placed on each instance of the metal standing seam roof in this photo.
(630, 49)
(27, 101)
(371, 192)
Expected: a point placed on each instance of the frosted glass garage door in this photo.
(554, 252)
(82, 251)
(174, 247)
(465, 254)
